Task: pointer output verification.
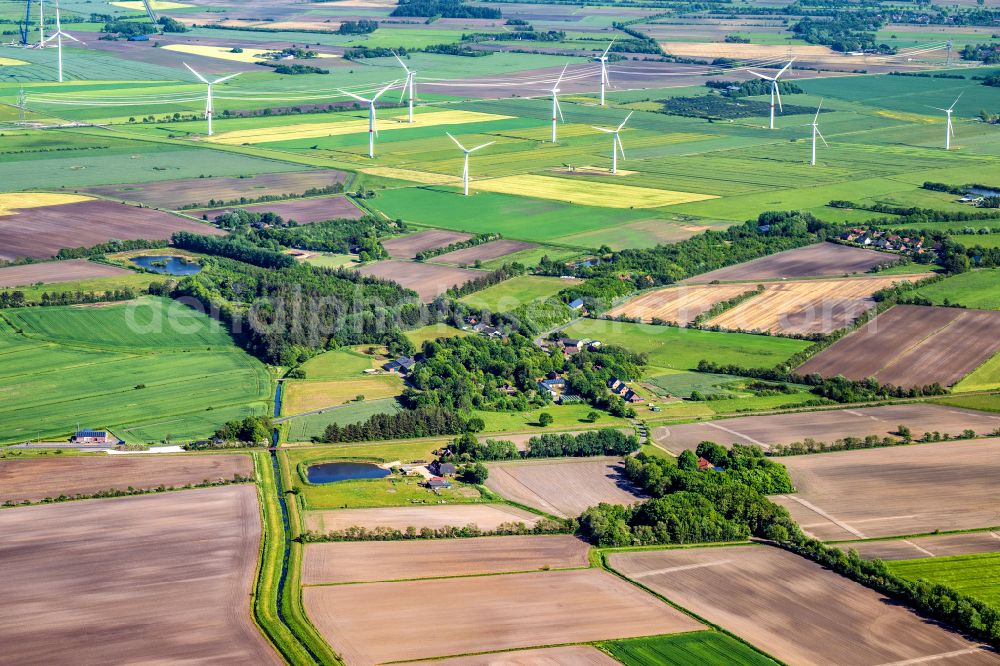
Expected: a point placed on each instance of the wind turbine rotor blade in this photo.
(407, 69)
(777, 93)
(68, 36)
(200, 77)
(226, 78)
(782, 70)
(603, 129)
(349, 94)
(382, 91)
(472, 150)
(455, 140)
(816, 119)
(626, 120)
(956, 100)
(820, 134)
(621, 148)
(951, 129)
(559, 109)
(760, 76)
(605, 54)
(559, 80)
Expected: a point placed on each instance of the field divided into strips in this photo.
(587, 193)
(170, 372)
(694, 649)
(302, 396)
(486, 517)
(678, 305)
(818, 260)
(73, 270)
(945, 545)
(304, 428)
(975, 575)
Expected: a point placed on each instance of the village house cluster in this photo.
(887, 241)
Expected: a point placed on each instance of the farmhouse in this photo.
(94, 437)
(442, 469)
(555, 387)
(620, 388)
(401, 366)
(437, 482)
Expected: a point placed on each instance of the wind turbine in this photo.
(815, 129)
(372, 129)
(949, 131)
(410, 76)
(616, 143)
(208, 100)
(465, 170)
(774, 87)
(41, 24)
(603, 59)
(555, 103)
(58, 35)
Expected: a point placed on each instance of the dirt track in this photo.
(793, 608)
(303, 211)
(485, 516)
(56, 271)
(428, 280)
(398, 560)
(37, 478)
(822, 259)
(931, 546)
(378, 622)
(899, 490)
(157, 579)
(407, 247)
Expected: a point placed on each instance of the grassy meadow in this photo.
(691, 649)
(976, 575)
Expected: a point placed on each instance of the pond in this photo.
(344, 471)
(168, 265)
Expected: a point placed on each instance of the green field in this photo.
(137, 281)
(148, 370)
(419, 336)
(339, 364)
(693, 649)
(976, 575)
(682, 348)
(304, 428)
(515, 292)
(986, 403)
(976, 289)
(564, 417)
(985, 377)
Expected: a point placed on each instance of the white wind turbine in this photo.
(58, 35)
(774, 87)
(815, 130)
(603, 59)
(616, 143)
(41, 24)
(408, 86)
(555, 103)
(949, 131)
(209, 109)
(372, 129)
(465, 170)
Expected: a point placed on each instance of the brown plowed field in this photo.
(484, 516)
(42, 232)
(199, 191)
(679, 304)
(794, 609)
(303, 211)
(931, 546)
(822, 259)
(370, 561)
(428, 280)
(826, 426)
(377, 622)
(570, 655)
(563, 487)
(56, 271)
(911, 489)
(407, 247)
(913, 345)
(157, 579)
(35, 479)
(484, 252)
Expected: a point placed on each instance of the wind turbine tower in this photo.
(555, 103)
(774, 87)
(815, 130)
(603, 59)
(372, 128)
(949, 130)
(616, 143)
(408, 86)
(209, 109)
(58, 35)
(465, 170)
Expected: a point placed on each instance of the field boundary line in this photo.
(738, 434)
(488, 574)
(935, 657)
(903, 352)
(815, 509)
(920, 548)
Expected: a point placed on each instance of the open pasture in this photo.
(428, 280)
(913, 345)
(379, 622)
(306, 395)
(820, 260)
(517, 291)
(888, 492)
(57, 271)
(408, 247)
(563, 487)
(484, 252)
(50, 477)
(41, 232)
(303, 211)
(304, 428)
(986, 376)
(362, 562)
(143, 568)
(944, 545)
(975, 289)
(794, 609)
(975, 575)
(826, 425)
(175, 194)
(487, 517)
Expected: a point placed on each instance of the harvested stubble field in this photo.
(428, 280)
(363, 562)
(826, 426)
(307, 395)
(563, 487)
(484, 516)
(587, 192)
(679, 304)
(570, 655)
(819, 260)
(35, 479)
(807, 306)
(303, 211)
(484, 252)
(57, 271)
(913, 345)
(41, 232)
(377, 622)
(407, 247)
(794, 609)
(133, 580)
(193, 191)
(894, 491)
(944, 545)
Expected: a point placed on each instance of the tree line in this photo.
(601, 442)
(420, 422)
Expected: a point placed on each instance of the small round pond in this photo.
(344, 471)
(168, 265)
